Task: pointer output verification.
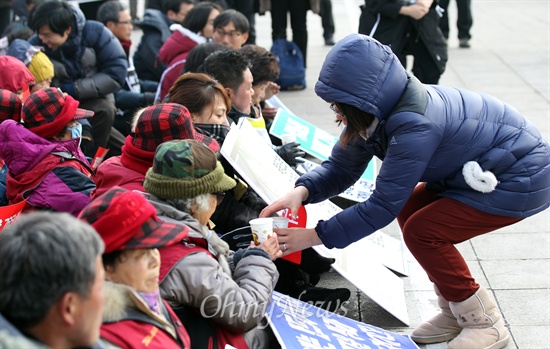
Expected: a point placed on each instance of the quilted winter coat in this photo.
(174, 53)
(52, 175)
(425, 133)
(91, 59)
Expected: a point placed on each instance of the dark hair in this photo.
(197, 18)
(358, 120)
(44, 256)
(174, 5)
(58, 15)
(221, 3)
(23, 34)
(264, 63)
(197, 55)
(235, 17)
(196, 91)
(110, 11)
(227, 67)
(112, 258)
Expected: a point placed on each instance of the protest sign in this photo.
(301, 325)
(10, 213)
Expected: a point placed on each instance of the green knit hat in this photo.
(185, 169)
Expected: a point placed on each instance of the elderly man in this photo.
(51, 282)
(135, 93)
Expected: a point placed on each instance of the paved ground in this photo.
(509, 59)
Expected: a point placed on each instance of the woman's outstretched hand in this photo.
(293, 200)
(296, 239)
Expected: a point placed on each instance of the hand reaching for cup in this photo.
(271, 246)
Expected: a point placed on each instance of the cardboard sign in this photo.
(301, 325)
(10, 213)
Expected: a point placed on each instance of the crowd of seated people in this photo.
(76, 87)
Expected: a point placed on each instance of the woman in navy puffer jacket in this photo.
(456, 164)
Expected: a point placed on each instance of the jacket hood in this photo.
(22, 150)
(22, 50)
(156, 20)
(362, 72)
(216, 246)
(76, 29)
(179, 43)
(13, 73)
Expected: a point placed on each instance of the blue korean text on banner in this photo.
(297, 324)
(291, 62)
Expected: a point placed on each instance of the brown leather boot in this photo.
(482, 323)
(441, 328)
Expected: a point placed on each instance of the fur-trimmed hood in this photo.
(117, 300)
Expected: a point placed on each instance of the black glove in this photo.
(289, 153)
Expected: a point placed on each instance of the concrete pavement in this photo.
(510, 59)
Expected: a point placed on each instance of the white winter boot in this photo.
(441, 328)
(482, 323)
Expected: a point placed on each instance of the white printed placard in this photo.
(301, 325)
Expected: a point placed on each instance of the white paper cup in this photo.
(262, 229)
(288, 138)
(280, 222)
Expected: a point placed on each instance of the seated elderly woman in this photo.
(46, 165)
(134, 314)
(220, 296)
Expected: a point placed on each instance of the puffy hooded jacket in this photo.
(91, 59)
(52, 175)
(174, 54)
(425, 133)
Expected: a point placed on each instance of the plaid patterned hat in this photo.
(47, 112)
(164, 122)
(127, 221)
(185, 169)
(10, 106)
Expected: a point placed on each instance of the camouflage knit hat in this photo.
(185, 169)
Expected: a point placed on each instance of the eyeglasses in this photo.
(219, 197)
(124, 22)
(334, 108)
(232, 34)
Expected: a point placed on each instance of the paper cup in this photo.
(280, 222)
(288, 138)
(262, 229)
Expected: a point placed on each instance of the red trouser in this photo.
(431, 226)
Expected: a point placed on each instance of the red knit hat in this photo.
(125, 220)
(10, 106)
(165, 122)
(47, 112)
